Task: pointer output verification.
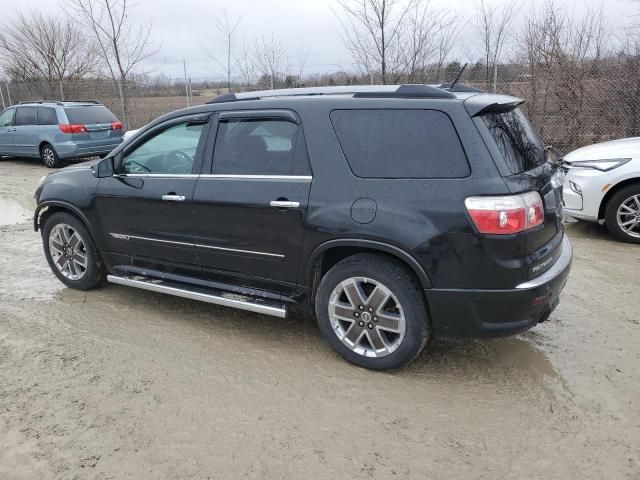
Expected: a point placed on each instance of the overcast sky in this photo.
(182, 27)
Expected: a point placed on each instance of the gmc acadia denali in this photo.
(393, 213)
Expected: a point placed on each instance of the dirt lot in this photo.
(122, 383)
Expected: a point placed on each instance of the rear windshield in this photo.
(89, 115)
(516, 139)
(400, 143)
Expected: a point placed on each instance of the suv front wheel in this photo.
(71, 253)
(372, 312)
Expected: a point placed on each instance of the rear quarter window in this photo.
(89, 115)
(400, 143)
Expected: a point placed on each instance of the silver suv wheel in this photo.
(68, 251)
(367, 317)
(49, 156)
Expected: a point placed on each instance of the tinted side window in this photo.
(257, 147)
(47, 116)
(25, 116)
(6, 118)
(171, 151)
(400, 143)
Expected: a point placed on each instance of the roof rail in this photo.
(40, 101)
(369, 91)
(58, 102)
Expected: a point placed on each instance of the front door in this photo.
(250, 212)
(145, 208)
(25, 132)
(6, 132)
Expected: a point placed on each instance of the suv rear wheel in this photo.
(71, 253)
(372, 312)
(623, 214)
(49, 156)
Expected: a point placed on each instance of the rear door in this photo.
(25, 132)
(145, 209)
(250, 211)
(6, 132)
(101, 127)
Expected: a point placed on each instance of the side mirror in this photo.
(104, 168)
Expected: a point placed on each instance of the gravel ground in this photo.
(123, 383)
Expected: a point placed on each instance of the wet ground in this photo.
(123, 383)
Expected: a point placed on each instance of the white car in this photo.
(130, 133)
(603, 185)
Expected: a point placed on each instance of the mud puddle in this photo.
(15, 210)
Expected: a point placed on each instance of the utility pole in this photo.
(2, 97)
(186, 84)
(8, 92)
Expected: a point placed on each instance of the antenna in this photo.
(458, 76)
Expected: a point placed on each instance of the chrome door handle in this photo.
(284, 204)
(173, 198)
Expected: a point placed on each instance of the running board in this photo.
(217, 297)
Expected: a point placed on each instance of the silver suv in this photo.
(57, 131)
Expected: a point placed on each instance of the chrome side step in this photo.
(217, 297)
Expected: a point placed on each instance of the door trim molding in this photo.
(123, 236)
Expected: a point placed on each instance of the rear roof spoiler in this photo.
(478, 105)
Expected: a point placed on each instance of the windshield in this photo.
(516, 139)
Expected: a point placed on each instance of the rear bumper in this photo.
(466, 313)
(73, 150)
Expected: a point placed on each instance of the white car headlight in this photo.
(602, 165)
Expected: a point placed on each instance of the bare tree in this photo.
(493, 24)
(37, 47)
(269, 59)
(372, 31)
(122, 45)
(227, 28)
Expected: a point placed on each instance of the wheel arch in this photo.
(48, 208)
(324, 256)
(612, 191)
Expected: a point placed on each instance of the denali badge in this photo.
(119, 236)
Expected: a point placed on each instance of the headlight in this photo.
(602, 165)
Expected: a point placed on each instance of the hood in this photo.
(623, 148)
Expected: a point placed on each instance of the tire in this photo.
(404, 310)
(624, 206)
(49, 156)
(57, 231)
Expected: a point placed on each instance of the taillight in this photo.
(506, 214)
(66, 128)
(116, 125)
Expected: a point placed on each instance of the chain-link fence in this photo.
(570, 105)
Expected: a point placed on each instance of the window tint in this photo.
(89, 115)
(258, 147)
(6, 118)
(400, 143)
(47, 116)
(25, 116)
(518, 143)
(170, 151)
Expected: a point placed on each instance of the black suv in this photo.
(393, 213)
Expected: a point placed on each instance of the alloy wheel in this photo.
(49, 156)
(367, 317)
(68, 251)
(628, 216)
